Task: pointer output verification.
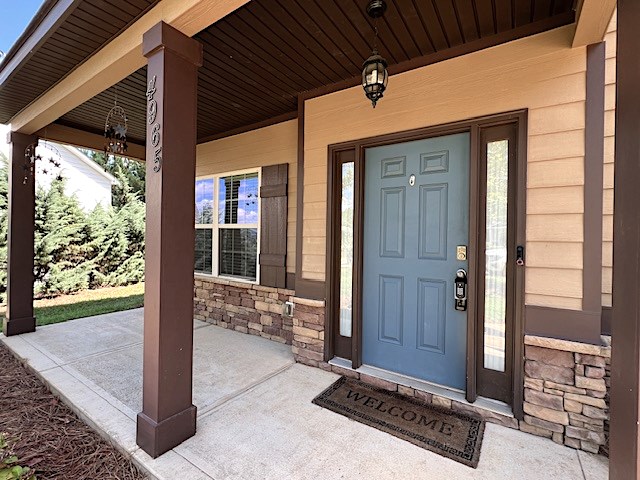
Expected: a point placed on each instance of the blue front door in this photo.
(416, 214)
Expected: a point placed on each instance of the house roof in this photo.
(261, 57)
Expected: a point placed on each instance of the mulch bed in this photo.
(47, 436)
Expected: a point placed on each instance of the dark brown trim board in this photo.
(624, 460)
(305, 288)
(561, 323)
(606, 321)
(333, 195)
(593, 173)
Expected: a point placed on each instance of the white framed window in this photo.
(227, 225)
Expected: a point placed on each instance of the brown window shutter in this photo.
(273, 225)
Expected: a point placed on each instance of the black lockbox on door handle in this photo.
(460, 290)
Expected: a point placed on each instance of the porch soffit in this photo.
(258, 59)
(62, 35)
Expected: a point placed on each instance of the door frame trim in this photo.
(358, 148)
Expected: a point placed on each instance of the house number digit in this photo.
(152, 113)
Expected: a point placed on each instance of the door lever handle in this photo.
(460, 290)
(520, 255)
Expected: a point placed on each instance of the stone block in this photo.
(585, 435)
(441, 401)
(564, 388)
(596, 384)
(572, 442)
(550, 391)
(541, 432)
(426, 397)
(487, 415)
(378, 382)
(572, 406)
(548, 414)
(586, 420)
(345, 372)
(597, 394)
(579, 369)
(534, 383)
(558, 438)
(561, 375)
(589, 447)
(408, 391)
(305, 332)
(266, 320)
(594, 372)
(549, 356)
(262, 306)
(592, 360)
(537, 422)
(586, 400)
(543, 399)
(595, 413)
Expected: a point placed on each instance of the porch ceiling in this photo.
(65, 34)
(260, 58)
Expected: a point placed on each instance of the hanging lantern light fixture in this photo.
(374, 69)
(115, 130)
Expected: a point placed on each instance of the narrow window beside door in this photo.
(495, 305)
(346, 250)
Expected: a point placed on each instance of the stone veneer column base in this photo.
(566, 392)
(244, 307)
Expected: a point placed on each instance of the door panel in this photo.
(416, 211)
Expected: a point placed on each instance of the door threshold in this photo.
(450, 393)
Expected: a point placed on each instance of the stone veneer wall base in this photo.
(566, 384)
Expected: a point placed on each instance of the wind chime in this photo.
(32, 159)
(115, 129)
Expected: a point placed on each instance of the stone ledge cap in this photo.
(568, 346)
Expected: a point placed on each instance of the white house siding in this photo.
(85, 180)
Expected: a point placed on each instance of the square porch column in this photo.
(624, 441)
(21, 215)
(168, 416)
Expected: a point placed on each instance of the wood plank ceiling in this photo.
(91, 25)
(260, 58)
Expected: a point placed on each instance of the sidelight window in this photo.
(495, 274)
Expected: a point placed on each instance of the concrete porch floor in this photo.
(255, 416)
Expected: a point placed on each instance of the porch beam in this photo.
(593, 17)
(83, 139)
(119, 59)
(168, 416)
(625, 362)
(21, 215)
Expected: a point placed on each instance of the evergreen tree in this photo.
(61, 242)
(132, 171)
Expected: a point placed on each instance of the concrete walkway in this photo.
(255, 416)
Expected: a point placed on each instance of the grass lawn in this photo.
(87, 303)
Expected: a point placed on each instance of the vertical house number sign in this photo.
(152, 113)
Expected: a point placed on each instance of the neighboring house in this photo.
(83, 177)
(455, 240)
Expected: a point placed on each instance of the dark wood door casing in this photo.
(354, 151)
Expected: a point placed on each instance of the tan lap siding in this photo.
(258, 148)
(609, 140)
(541, 73)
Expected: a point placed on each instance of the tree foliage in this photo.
(75, 250)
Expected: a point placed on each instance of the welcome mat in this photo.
(451, 434)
